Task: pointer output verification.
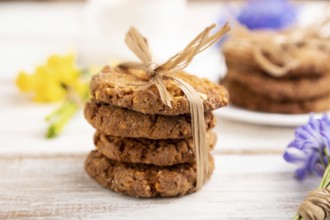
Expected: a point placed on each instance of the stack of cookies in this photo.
(301, 89)
(144, 148)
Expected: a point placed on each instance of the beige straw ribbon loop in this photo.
(159, 74)
(203, 41)
(165, 96)
(138, 45)
(265, 51)
(198, 128)
(316, 206)
(287, 63)
(131, 65)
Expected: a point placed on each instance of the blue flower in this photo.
(310, 147)
(270, 14)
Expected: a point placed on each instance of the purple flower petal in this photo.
(312, 163)
(301, 173)
(270, 14)
(294, 157)
(309, 146)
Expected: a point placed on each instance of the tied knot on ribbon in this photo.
(158, 74)
(316, 206)
(150, 69)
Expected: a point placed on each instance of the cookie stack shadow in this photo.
(302, 89)
(138, 153)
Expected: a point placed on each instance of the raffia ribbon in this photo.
(275, 51)
(316, 206)
(277, 47)
(158, 74)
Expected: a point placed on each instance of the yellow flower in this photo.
(82, 88)
(51, 82)
(59, 79)
(25, 82)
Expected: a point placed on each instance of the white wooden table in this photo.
(44, 179)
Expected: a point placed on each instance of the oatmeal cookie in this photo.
(122, 122)
(312, 61)
(281, 89)
(142, 180)
(243, 97)
(166, 152)
(114, 86)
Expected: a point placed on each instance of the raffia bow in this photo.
(158, 74)
(277, 47)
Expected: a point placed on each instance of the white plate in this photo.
(242, 115)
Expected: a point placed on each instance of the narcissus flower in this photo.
(59, 79)
(50, 82)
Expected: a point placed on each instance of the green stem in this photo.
(327, 155)
(297, 217)
(325, 183)
(60, 118)
(321, 159)
(57, 112)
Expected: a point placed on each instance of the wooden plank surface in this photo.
(56, 187)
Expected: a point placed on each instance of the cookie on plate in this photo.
(277, 72)
(312, 61)
(281, 89)
(242, 97)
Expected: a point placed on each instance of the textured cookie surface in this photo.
(281, 89)
(242, 97)
(143, 180)
(312, 61)
(157, 152)
(122, 122)
(114, 86)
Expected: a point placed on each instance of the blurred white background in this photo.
(31, 30)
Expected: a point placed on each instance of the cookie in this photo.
(312, 61)
(112, 86)
(281, 89)
(157, 152)
(116, 121)
(242, 97)
(143, 180)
